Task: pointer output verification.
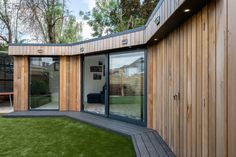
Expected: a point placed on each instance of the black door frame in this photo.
(143, 121)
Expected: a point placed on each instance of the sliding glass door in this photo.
(126, 85)
(44, 83)
(94, 84)
(114, 85)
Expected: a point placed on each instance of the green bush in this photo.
(37, 101)
(39, 87)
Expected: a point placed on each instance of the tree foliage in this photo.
(111, 16)
(50, 20)
(147, 8)
(72, 31)
(47, 21)
(100, 17)
(9, 17)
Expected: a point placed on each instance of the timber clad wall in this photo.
(70, 83)
(231, 79)
(186, 86)
(20, 101)
(133, 39)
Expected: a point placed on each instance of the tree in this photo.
(48, 19)
(131, 13)
(147, 8)
(102, 17)
(118, 15)
(6, 29)
(9, 17)
(71, 31)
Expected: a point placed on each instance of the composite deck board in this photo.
(147, 142)
(141, 145)
(149, 146)
(157, 145)
(164, 145)
(136, 148)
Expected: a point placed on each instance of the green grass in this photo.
(59, 137)
(126, 100)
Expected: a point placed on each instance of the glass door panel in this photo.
(126, 85)
(94, 84)
(44, 83)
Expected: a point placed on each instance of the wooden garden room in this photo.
(175, 75)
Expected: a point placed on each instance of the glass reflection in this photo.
(94, 84)
(44, 83)
(126, 93)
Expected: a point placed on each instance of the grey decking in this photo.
(147, 142)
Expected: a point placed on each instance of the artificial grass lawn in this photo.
(59, 137)
(126, 100)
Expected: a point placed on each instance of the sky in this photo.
(83, 5)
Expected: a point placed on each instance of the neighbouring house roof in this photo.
(167, 15)
(134, 64)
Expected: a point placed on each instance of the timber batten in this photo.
(20, 88)
(70, 83)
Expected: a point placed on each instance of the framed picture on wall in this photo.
(97, 76)
(95, 68)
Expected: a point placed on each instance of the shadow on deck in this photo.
(147, 142)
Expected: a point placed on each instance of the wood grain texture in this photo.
(70, 83)
(133, 38)
(231, 78)
(191, 78)
(20, 87)
(191, 122)
(150, 89)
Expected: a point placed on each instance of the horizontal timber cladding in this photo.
(20, 86)
(70, 84)
(186, 86)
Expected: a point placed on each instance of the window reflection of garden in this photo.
(6, 82)
(44, 79)
(127, 88)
